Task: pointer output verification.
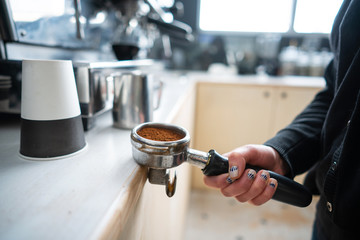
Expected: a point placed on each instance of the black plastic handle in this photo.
(288, 191)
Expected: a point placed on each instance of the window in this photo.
(315, 16)
(28, 11)
(311, 16)
(245, 15)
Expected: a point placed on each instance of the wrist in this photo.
(283, 166)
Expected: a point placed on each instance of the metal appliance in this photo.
(101, 37)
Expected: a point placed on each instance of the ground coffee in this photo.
(159, 134)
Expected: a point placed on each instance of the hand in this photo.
(245, 184)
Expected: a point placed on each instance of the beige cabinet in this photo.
(288, 103)
(229, 115)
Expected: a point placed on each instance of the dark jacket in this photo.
(325, 137)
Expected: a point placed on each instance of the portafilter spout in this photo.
(161, 146)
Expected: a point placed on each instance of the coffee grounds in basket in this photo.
(159, 134)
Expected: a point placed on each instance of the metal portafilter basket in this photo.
(161, 156)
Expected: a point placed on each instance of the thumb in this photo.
(237, 164)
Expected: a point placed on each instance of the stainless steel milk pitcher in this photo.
(134, 99)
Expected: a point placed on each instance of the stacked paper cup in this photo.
(51, 125)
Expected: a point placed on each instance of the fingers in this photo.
(256, 188)
(261, 191)
(245, 184)
(219, 181)
(237, 165)
(252, 187)
(236, 168)
(267, 194)
(241, 185)
(260, 182)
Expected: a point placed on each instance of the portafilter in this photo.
(162, 155)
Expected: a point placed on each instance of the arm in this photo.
(292, 151)
(299, 143)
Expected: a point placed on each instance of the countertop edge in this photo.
(123, 206)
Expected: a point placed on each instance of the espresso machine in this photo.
(101, 37)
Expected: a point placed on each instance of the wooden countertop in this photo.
(82, 196)
(76, 197)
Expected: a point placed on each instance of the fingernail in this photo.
(229, 180)
(234, 173)
(264, 176)
(251, 174)
(272, 184)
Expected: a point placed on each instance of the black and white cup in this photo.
(51, 125)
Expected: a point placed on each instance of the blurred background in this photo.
(276, 37)
(279, 37)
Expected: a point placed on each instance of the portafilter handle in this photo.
(288, 191)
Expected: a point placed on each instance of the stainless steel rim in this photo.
(159, 154)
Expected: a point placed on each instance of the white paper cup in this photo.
(51, 125)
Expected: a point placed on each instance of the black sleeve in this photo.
(299, 143)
